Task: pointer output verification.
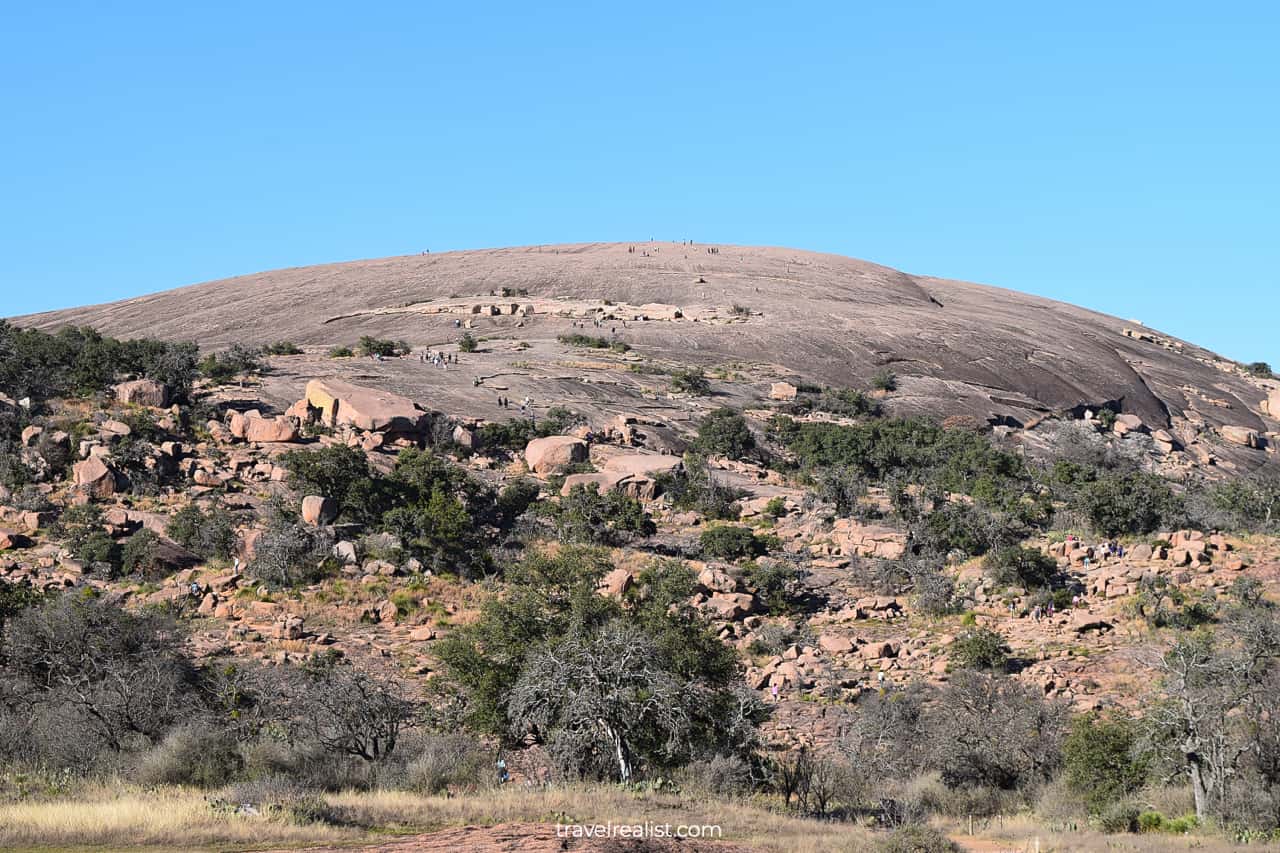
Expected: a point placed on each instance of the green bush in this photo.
(80, 361)
(730, 542)
(236, 361)
(724, 432)
(210, 534)
(1150, 821)
(776, 507)
(1014, 565)
(690, 381)
(282, 348)
(141, 555)
(586, 516)
(370, 345)
(1101, 760)
(468, 343)
(773, 583)
(590, 342)
(199, 755)
(1260, 369)
(1132, 502)
(884, 380)
(980, 648)
(341, 352)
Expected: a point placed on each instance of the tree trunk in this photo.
(1198, 786)
(622, 754)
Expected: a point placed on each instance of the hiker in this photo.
(195, 590)
(503, 776)
(774, 691)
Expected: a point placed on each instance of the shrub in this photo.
(884, 380)
(730, 542)
(341, 473)
(1133, 502)
(723, 776)
(1150, 821)
(690, 381)
(447, 761)
(237, 360)
(980, 648)
(773, 582)
(1260, 369)
(1101, 760)
(724, 432)
(290, 553)
(468, 343)
(80, 361)
(282, 348)
(370, 345)
(916, 838)
(776, 507)
(585, 516)
(845, 401)
(1017, 566)
(199, 754)
(141, 555)
(210, 534)
(1119, 817)
(341, 352)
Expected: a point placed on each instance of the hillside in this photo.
(956, 348)
(482, 544)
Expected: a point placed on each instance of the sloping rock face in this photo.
(957, 348)
(344, 404)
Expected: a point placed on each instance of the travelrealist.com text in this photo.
(636, 830)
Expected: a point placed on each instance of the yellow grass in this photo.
(170, 819)
(182, 819)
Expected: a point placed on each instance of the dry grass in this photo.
(1024, 834)
(741, 821)
(169, 819)
(182, 819)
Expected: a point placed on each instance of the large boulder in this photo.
(95, 477)
(143, 392)
(317, 510)
(782, 391)
(1271, 405)
(267, 430)
(343, 404)
(1240, 435)
(642, 464)
(550, 454)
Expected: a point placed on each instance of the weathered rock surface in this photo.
(143, 392)
(344, 404)
(554, 452)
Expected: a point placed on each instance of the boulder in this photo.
(616, 582)
(143, 392)
(643, 464)
(318, 510)
(343, 404)
(269, 430)
(1240, 435)
(95, 477)
(1271, 405)
(730, 605)
(1125, 424)
(31, 434)
(782, 391)
(550, 454)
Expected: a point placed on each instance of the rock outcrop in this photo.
(341, 403)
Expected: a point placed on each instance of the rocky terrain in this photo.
(762, 314)
(613, 333)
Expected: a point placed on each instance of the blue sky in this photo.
(1122, 156)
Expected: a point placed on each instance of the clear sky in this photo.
(1122, 156)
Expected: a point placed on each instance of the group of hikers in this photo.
(439, 359)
